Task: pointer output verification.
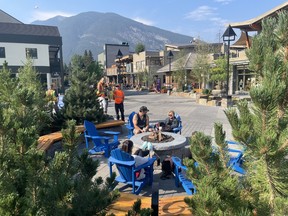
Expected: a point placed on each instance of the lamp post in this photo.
(229, 35)
(169, 57)
(118, 56)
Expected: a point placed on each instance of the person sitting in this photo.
(170, 123)
(141, 120)
(127, 147)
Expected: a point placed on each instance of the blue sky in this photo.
(204, 19)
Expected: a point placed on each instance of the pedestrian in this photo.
(118, 97)
(101, 94)
(52, 99)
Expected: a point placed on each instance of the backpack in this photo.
(167, 166)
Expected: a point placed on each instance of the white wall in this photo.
(16, 54)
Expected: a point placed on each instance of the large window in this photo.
(31, 53)
(2, 52)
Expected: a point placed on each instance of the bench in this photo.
(45, 141)
(167, 205)
(125, 202)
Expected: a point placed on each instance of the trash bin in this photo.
(168, 92)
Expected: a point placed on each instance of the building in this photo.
(183, 58)
(43, 44)
(242, 77)
(108, 56)
(145, 66)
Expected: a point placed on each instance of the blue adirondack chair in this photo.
(130, 125)
(101, 143)
(236, 160)
(180, 177)
(179, 128)
(125, 164)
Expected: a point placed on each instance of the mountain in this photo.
(91, 30)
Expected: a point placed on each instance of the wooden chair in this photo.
(130, 125)
(236, 156)
(180, 177)
(179, 128)
(101, 143)
(125, 164)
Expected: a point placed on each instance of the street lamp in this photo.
(118, 56)
(170, 57)
(229, 35)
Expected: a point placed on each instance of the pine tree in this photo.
(30, 183)
(218, 190)
(68, 188)
(263, 126)
(81, 101)
(22, 116)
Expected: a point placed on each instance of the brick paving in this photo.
(195, 117)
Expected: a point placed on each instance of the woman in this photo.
(127, 147)
(171, 122)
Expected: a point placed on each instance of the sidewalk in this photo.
(194, 117)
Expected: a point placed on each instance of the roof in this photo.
(255, 23)
(6, 18)
(241, 42)
(24, 29)
(189, 60)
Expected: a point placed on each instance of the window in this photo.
(2, 52)
(32, 53)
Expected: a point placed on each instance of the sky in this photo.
(202, 19)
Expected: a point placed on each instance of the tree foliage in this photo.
(219, 71)
(218, 191)
(81, 101)
(263, 126)
(30, 183)
(139, 48)
(201, 68)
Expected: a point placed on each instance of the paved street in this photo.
(195, 117)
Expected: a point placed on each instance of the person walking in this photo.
(101, 94)
(118, 97)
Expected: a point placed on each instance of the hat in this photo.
(144, 109)
(117, 85)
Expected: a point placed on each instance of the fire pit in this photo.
(174, 145)
(157, 137)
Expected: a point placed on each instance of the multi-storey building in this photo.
(242, 77)
(43, 44)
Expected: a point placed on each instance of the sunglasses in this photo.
(170, 115)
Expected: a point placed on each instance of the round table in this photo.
(175, 147)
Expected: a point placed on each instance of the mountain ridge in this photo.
(91, 30)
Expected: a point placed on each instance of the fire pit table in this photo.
(174, 145)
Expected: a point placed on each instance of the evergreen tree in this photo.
(264, 125)
(218, 191)
(29, 183)
(218, 73)
(68, 188)
(81, 101)
(139, 48)
(22, 115)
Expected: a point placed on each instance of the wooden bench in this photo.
(167, 205)
(125, 202)
(45, 141)
(175, 205)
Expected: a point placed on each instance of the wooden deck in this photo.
(167, 206)
(44, 142)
